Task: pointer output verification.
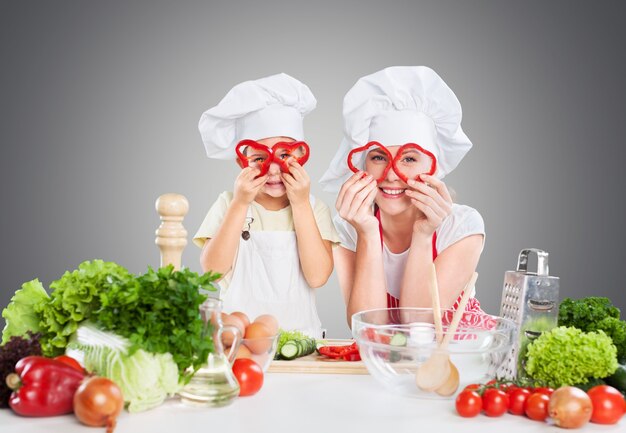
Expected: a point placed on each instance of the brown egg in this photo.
(258, 338)
(243, 352)
(230, 320)
(242, 316)
(268, 320)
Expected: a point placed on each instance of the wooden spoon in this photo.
(434, 373)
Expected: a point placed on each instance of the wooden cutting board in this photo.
(317, 364)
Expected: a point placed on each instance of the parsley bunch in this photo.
(159, 312)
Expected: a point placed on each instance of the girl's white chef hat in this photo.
(273, 106)
(395, 106)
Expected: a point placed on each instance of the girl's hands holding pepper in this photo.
(248, 185)
(432, 198)
(297, 183)
(354, 202)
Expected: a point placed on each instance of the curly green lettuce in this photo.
(75, 296)
(23, 312)
(569, 356)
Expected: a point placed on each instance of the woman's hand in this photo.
(355, 199)
(297, 183)
(247, 185)
(432, 198)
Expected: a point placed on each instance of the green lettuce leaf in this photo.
(21, 314)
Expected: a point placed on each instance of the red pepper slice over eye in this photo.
(405, 147)
(364, 149)
(273, 154)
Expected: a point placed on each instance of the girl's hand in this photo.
(247, 185)
(297, 183)
(355, 199)
(434, 202)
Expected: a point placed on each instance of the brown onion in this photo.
(570, 407)
(97, 402)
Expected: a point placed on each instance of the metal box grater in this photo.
(531, 301)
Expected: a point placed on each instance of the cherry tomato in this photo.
(469, 403)
(68, 360)
(517, 400)
(608, 404)
(472, 387)
(249, 375)
(495, 402)
(544, 390)
(536, 406)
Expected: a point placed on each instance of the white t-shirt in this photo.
(464, 221)
(263, 220)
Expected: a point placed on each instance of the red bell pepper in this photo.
(276, 153)
(43, 387)
(344, 353)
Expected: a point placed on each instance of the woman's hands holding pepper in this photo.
(432, 198)
(355, 199)
(248, 185)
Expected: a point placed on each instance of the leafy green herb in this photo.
(159, 312)
(569, 356)
(595, 314)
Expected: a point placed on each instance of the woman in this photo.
(394, 222)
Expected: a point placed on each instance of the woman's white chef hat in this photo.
(395, 106)
(273, 106)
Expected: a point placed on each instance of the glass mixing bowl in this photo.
(395, 342)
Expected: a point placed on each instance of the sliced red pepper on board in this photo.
(43, 387)
(344, 352)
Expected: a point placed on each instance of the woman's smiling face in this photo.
(390, 197)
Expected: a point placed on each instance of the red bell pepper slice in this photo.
(345, 353)
(274, 154)
(404, 147)
(394, 160)
(43, 387)
(363, 149)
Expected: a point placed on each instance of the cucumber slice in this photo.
(398, 339)
(289, 350)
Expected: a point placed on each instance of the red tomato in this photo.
(249, 375)
(472, 387)
(544, 390)
(517, 400)
(495, 402)
(536, 406)
(68, 360)
(608, 404)
(468, 403)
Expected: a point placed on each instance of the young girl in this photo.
(396, 216)
(270, 239)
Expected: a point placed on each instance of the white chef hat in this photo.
(273, 106)
(395, 106)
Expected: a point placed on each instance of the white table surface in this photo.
(320, 403)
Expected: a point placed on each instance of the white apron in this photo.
(267, 279)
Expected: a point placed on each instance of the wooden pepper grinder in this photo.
(171, 236)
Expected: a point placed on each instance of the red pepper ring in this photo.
(363, 149)
(273, 154)
(394, 161)
(401, 175)
(345, 353)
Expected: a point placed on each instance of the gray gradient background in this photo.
(99, 103)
